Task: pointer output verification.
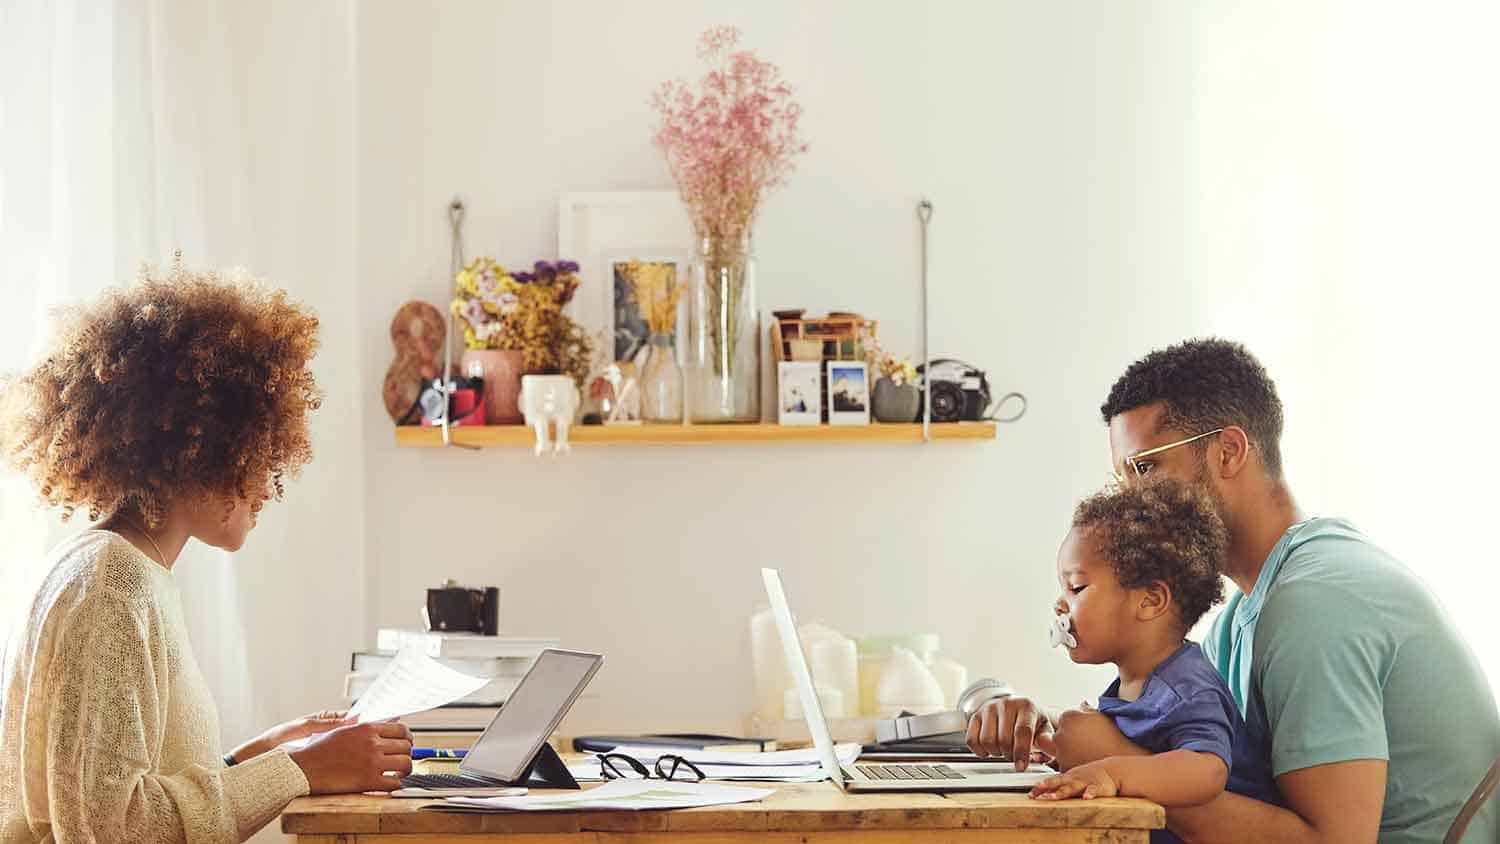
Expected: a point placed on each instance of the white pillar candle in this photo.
(766, 656)
(830, 700)
(835, 663)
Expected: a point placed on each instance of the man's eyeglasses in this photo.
(619, 766)
(1140, 467)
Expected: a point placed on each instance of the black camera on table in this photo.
(452, 608)
(960, 392)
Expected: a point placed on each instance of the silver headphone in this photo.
(912, 727)
(979, 693)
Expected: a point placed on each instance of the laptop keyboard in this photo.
(447, 781)
(909, 772)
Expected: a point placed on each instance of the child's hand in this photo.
(1086, 781)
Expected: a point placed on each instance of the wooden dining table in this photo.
(797, 813)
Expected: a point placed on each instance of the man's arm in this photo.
(1330, 804)
(1319, 663)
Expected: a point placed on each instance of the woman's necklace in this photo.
(160, 557)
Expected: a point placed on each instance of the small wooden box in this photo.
(842, 337)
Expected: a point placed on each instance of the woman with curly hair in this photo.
(170, 410)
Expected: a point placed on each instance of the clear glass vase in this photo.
(661, 381)
(723, 372)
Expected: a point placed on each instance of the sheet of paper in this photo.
(413, 682)
(625, 795)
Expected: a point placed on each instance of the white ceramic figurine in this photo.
(549, 401)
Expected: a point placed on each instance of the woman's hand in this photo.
(1086, 781)
(318, 722)
(357, 758)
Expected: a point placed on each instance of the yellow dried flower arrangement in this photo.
(524, 312)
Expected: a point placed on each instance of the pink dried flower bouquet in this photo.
(732, 140)
(728, 141)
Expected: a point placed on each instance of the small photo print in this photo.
(798, 393)
(848, 393)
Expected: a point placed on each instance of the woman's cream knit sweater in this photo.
(108, 731)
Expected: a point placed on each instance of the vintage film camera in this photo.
(465, 404)
(452, 608)
(960, 392)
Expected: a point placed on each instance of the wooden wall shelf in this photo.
(587, 435)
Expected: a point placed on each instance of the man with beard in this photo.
(1373, 713)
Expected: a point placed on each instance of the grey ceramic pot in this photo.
(896, 404)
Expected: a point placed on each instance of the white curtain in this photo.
(224, 129)
(56, 223)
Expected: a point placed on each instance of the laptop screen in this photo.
(531, 714)
(801, 676)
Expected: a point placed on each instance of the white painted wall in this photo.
(1317, 180)
(1107, 177)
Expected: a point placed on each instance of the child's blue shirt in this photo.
(1185, 705)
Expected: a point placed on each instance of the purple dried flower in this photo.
(542, 268)
(567, 266)
(523, 278)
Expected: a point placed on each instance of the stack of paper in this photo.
(629, 795)
(444, 645)
(776, 766)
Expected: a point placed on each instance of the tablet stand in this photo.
(547, 771)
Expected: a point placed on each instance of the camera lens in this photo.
(947, 401)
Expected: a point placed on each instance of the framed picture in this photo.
(848, 392)
(799, 393)
(601, 229)
(626, 322)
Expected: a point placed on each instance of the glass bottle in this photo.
(723, 371)
(661, 381)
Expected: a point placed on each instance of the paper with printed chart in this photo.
(413, 682)
(622, 795)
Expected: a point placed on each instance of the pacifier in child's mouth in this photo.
(1061, 632)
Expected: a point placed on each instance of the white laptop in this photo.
(499, 760)
(979, 776)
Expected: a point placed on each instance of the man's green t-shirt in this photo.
(1341, 653)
